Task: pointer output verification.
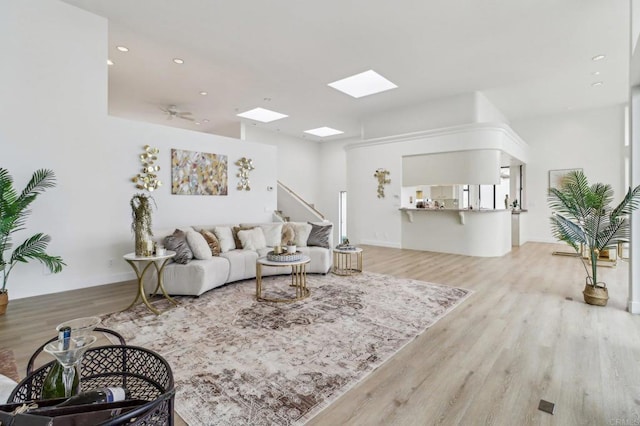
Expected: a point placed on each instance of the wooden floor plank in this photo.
(523, 335)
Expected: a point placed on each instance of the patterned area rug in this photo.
(241, 362)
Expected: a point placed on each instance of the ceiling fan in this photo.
(172, 111)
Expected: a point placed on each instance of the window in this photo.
(342, 215)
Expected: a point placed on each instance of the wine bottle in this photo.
(53, 385)
(98, 396)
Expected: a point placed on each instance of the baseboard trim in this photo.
(633, 307)
(381, 243)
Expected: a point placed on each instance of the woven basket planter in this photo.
(594, 295)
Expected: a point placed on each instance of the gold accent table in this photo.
(136, 262)
(343, 261)
(298, 278)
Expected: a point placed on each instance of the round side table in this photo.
(347, 262)
(136, 263)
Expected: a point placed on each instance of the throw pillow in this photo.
(178, 242)
(302, 233)
(288, 233)
(212, 242)
(236, 229)
(272, 233)
(198, 245)
(319, 235)
(252, 239)
(225, 238)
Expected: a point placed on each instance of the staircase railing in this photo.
(301, 200)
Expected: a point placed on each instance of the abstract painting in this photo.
(198, 173)
(556, 177)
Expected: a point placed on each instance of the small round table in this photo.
(298, 278)
(136, 262)
(343, 263)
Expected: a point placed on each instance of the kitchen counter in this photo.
(483, 232)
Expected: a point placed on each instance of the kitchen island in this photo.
(485, 233)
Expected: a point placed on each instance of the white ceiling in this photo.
(529, 57)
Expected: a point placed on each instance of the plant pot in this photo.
(595, 295)
(4, 301)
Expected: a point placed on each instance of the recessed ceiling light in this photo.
(595, 73)
(363, 84)
(205, 121)
(197, 123)
(598, 57)
(122, 48)
(324, 132)
(203, 93)
(597, 83)
(178, 61)
(109, 62)
(261, 114)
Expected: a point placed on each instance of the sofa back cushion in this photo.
(319, 235)
(212, 242)
(178, 242)
(198, 245)
(225, 238)
(302, 231)
(252, 239)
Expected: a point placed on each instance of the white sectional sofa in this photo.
(207, 271)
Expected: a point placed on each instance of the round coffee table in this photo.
(343, 261)
(298, 278)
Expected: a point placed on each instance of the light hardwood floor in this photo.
(516, 340)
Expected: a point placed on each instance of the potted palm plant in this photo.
(14, 210)
(584, 219)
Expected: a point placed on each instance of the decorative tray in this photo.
(346, 247)
(284, 257)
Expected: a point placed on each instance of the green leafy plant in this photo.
(14, 210)
(584, 218)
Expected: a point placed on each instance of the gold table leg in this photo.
(298, 281)
(141, 293)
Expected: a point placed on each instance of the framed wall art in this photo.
(556, 177)
(198, 173)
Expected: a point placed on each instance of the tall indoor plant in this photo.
(584, 218)
(14, 210)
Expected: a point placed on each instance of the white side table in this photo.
(343, 261)
(145, 262)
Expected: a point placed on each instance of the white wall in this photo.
(53, 115)
(589, 139)
(298, 161)
(480, 166)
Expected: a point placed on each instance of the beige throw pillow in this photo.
(288, 233)
(212, 242)
(302, 233)
(225, 237)
(198, 245)
(235, 231)
(252, 239)
(272, 233)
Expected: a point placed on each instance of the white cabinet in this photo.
(443, 192)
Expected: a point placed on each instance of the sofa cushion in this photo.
(198, 245)
(288, 233)
(212, 242)
(178, 242)
(252, 239)
(242, 264)
(192, 279)
(235, 231)
(302, 233)
(225, 238)
(272, 233)
(319, 235)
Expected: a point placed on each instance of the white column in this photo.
(633, 303)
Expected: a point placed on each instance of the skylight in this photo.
(323, 132)
(363, 84)
(262, 115)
